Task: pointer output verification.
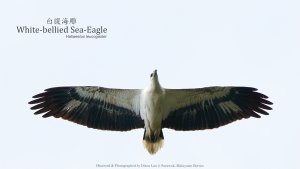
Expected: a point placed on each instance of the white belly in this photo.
(152, 109)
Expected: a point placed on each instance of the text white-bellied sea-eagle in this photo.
(152, 108)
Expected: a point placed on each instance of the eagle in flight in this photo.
(152, 108)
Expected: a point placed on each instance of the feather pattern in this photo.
(94, 107)
(212, 107)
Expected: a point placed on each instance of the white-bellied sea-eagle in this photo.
(152, 108)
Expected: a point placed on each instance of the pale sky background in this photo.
(191, 43)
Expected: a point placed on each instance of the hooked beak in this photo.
(155, 72)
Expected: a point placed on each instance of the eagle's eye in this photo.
(151, 75)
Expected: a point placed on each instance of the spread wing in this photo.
(94, 107)
(212, 107)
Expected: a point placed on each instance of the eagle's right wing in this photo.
(94, 107)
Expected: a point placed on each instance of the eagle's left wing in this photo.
(94, 107)
(212, 107)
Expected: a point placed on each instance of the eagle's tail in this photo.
(153, 142)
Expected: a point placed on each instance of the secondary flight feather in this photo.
(152, 108)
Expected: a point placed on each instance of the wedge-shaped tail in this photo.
(152, 142)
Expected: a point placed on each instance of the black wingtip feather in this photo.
(261, 111)
(263, 106)
(43, 110)
(38, 100)
(58, 89)
(39, 95)
(246, 89)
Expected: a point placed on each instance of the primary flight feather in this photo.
(152, 108)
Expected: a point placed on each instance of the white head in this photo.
(153, 75)
(154, 79)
